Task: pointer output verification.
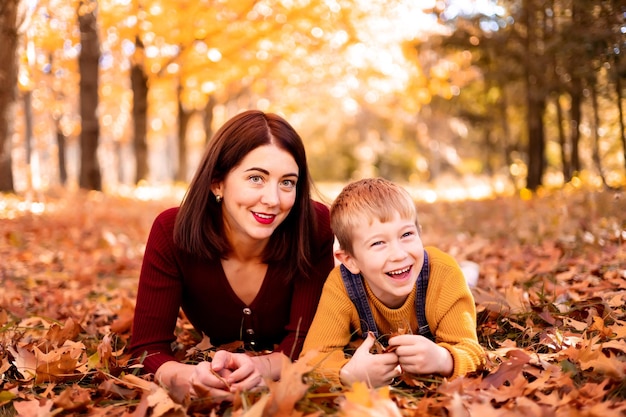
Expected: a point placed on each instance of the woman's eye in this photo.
(288, 183)
(256, 179)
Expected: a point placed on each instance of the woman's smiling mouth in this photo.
(264, 218)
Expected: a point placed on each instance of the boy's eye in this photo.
(378, 243)
(407, 234)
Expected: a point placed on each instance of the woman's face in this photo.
(258, 194)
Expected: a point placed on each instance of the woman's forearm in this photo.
(176, 377)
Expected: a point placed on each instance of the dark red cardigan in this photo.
(171, 278)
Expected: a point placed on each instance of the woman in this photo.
(245, 256)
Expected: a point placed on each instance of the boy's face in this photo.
(389, 255)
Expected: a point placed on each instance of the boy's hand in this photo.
(419, 355)
(373, 369)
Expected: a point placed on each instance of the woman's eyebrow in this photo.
(266, 172)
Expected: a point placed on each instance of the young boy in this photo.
(386, 269)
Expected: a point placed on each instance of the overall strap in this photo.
(420, 300)
(356, 292)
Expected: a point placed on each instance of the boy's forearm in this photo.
(446, 362)
(270, 366)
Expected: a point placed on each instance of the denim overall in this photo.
(356, 292)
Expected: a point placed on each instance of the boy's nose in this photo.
(397, 251)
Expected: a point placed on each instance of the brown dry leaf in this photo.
(156, 402)
(505, 392)
(4, 317)
(124, 319)
(609, 365)
(285, 393)
(73, 399)
(110, 388)
(60, 364)
(551, 286)
(508, 370)
(58, 335)
(34, 408)
(24, 361)
(598, 325)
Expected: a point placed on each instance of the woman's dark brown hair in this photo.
(199, 226)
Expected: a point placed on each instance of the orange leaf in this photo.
(285, 393)
(507, 371)
(74, 398)
(362, 401)
(33, 408)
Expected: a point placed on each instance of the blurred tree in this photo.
(169, 70)
(533, 16)
(139, 85)
(90, 175)
(546, 52)
(8, 85)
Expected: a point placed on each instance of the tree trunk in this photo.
(507, 148)
(61, 144)
(208, 117)
(576, 94)
(535, 102)
(565, 151)
(620, 108)
(8, 40)
(596, 134)
(183, 122)
(90, 177)
(575, 120)
(28, 136)
(139, 82)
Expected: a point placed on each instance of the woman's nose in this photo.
(270, 195)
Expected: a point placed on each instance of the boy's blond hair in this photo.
(363, 201)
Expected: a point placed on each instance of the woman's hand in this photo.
(419, 355)
(227, 373)
(374, 369)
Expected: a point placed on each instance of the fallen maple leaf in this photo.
(363, 401)
(73, 399)
(155, 401)
(286, 392)
(508, 370)
(34, 408)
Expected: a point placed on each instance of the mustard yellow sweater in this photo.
(450, 312)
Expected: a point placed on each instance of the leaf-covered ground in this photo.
(550, 297)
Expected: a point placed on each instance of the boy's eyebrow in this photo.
(266, 172)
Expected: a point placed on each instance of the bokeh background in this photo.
(455, 98)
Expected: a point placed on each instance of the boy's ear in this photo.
(348, 260)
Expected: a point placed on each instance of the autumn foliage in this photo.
(550, 297)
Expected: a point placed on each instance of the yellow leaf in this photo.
(360, 394)
(363, 401)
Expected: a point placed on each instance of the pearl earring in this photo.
(218, 199)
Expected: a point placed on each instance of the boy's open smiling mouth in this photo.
(399, 273)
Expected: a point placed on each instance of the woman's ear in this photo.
(348, 261)
(216, 188)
